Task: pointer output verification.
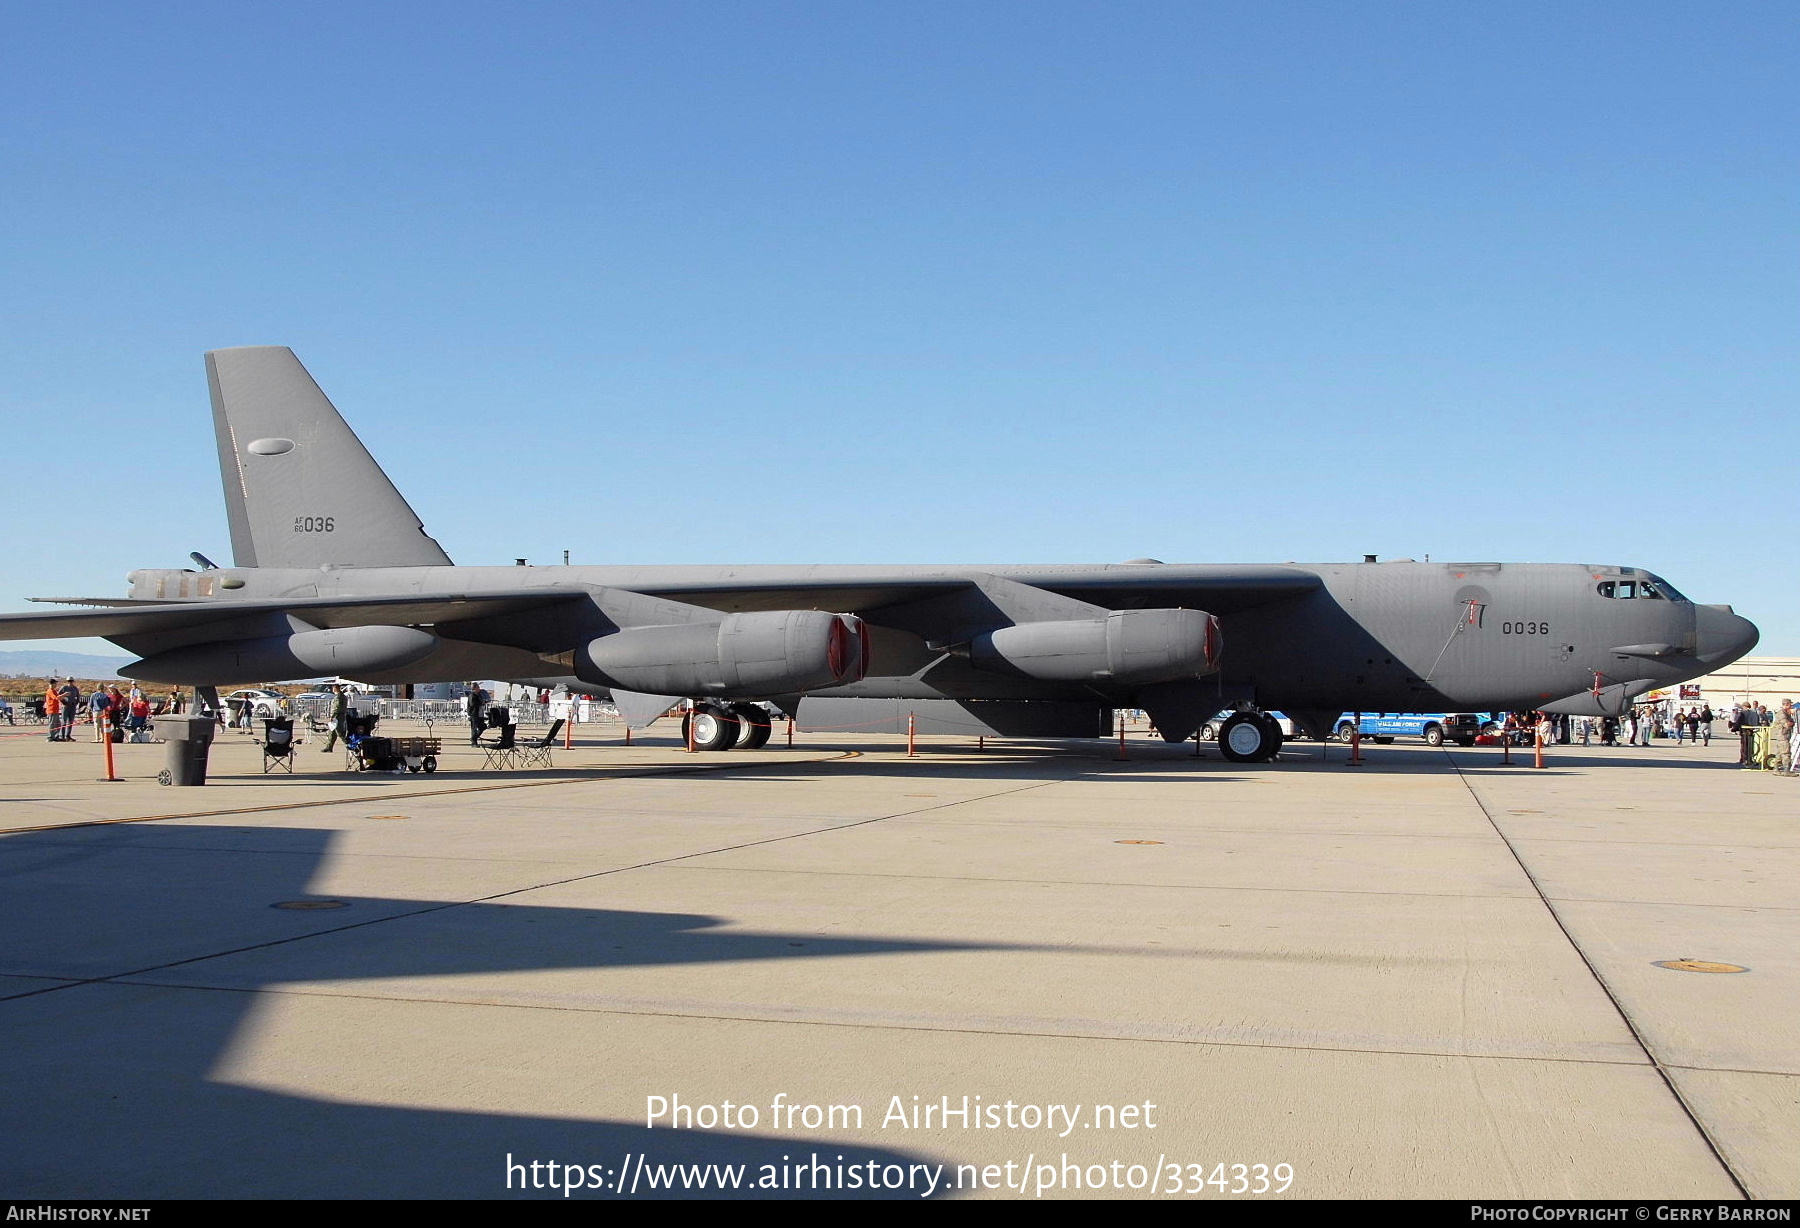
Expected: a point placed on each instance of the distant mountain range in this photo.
(60, 664)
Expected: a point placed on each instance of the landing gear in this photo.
(714, 727)
(1250, 737)
(755, 724)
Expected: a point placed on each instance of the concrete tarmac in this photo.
(1432, 976)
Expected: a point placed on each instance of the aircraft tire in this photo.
(1245, 738)
(715, 728)
(755, 725)
(1434, 735)
(1276, 736)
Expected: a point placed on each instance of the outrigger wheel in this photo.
(1250, 737)
(756, 723)
(714, 726)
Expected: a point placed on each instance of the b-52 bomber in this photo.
(333, 574)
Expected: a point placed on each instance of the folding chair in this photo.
(278, 746)
(504, 751)
(536, 753)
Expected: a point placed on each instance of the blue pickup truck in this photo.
(1435, 727)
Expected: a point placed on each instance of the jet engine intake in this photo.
(743, 656)
(345, 651)
(1126, 648)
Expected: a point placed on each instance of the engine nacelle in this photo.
(1126, 648)
(743, 656)
(346, 651)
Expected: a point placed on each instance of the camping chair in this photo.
(278, 746)
(503, 752)
(536, 753)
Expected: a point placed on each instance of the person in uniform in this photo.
(340, 708)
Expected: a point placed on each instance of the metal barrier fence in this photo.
(456, 712)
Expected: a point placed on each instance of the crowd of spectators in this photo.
(109, 711)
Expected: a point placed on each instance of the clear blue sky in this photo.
(923, 282)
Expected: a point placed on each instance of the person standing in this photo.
(98, 703)
(478, 702)
(1746, 730)
(70, 694)
(1781, 736)
(53, 711)
(340, 714)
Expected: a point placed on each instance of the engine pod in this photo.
(742, 656)
(1126, 648)
(346, 651)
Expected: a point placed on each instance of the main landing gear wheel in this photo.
(1250, 737)
(756, 723)
(715, 728)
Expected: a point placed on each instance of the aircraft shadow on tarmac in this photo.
(108, 1091)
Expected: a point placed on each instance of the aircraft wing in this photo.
(924, 600)
(148, 617)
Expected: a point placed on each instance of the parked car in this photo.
(265, 705)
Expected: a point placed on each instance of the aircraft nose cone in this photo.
(1721, 637)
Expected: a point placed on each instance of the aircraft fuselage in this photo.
(1389, 636)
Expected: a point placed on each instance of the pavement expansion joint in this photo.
(1612, 995)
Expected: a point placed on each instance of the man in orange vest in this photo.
(53, 711)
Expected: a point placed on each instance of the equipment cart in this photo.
(379, 754)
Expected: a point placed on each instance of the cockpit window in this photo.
(1664, 589)
(1648, 590)
(1620, 590)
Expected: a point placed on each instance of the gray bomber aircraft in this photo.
(334, 574)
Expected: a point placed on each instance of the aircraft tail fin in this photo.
(300, 488)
